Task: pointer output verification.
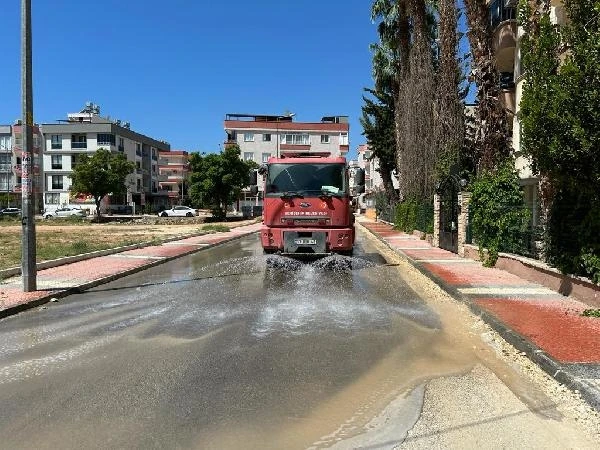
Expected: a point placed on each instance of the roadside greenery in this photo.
(560, 113)
(100, 174)
(217, 179)
(215, 228)
(414, 215)
(499, 217)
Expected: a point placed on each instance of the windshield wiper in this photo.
(291, 194)
(328, 194)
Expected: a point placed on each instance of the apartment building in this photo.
(262, 136)
(11, 154)
(506, 38)
(173, 168)
(85, 132)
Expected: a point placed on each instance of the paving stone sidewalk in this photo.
(546, 325)
(76, 276)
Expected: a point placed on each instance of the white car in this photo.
(64, 212)
(178, 211)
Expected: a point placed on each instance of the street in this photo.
(221, 350)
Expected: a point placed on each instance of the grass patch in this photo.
(591, 313)
(215, 228)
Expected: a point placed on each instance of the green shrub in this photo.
(414, 215)
(499, 217)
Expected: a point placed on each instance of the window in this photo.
(265, 157)
(295, 138)
(138, 149)
(52, 198)
(56, 140)
(5, 181)
(78, 141)
(121, 144)
(248, 156)
(343, 138)
(18, 140)
(266, 137)
(5, 143)
(57, 162)
(57, 182)
(248, 137)
(324, 139)
(106, 139)
(139, 184)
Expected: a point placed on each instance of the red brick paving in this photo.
(556, 326)
(553, 323)
(161, 251)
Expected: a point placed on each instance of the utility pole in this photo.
(28, 267)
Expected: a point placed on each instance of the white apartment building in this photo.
(85, 132)
(262, 136)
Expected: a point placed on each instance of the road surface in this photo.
(217, 350)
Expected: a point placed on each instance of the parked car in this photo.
(67, 211)
(12, 212)
(178, 211)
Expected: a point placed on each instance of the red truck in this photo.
(307, 206)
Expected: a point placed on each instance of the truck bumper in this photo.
(307, 240)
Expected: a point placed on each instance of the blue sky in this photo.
(174, 69)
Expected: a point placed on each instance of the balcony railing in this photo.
(78, 144)
(499, 13)
(5, 167)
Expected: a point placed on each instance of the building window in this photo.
(78, 141)
(106, 139)
(52, 198)
(248, 137)
(267, 137)
(57, 182)
(248, 156)
(138, 149)
(18, 140)
(324, 139)
(343, 138)
(56, 141)
(295, 139)
(121, 144)
(56, 162)
(5, 143)
(265, 157)
(5, 181)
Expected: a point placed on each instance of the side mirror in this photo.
(359, 177)
(253, 178)
(360, 189)
(262, 170)
(253, 190)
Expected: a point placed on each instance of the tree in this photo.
(378, 124)
(491, 119)
(101, 174)
(217, 179)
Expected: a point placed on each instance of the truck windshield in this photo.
(306, 179)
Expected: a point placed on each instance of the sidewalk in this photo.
(544, 324)
(62, 280)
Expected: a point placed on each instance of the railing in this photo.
(78, 144)
(5, 167)
(499, 13)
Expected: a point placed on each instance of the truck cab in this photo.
(307, 207)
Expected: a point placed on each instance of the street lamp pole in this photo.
(28, 256)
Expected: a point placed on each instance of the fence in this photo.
(524, 242)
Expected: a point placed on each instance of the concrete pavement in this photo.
(544, 324)
(65, 279)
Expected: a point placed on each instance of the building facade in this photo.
(173, 169)
(11, 153)
(262, 136)
(84, 133)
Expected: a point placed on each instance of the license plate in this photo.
(305, 241)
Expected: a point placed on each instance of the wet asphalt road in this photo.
(217, 350)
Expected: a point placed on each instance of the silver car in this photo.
(67, 211)
(178, 211)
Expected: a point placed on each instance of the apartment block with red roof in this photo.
(173, 168)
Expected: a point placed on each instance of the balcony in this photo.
(6, 168)
(79, 145)
(18, 169)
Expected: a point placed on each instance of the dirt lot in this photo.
(55, 240)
